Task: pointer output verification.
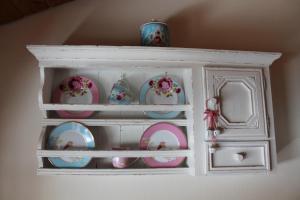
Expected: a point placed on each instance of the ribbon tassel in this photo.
(212, 118)
(211, 113)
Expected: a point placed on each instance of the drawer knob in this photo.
(217, 132)
(240, 156)
(214, 133)
(212, 150)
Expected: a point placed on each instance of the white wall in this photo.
(230, 24)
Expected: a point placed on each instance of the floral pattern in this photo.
(155, 34)
(76, 86)
(165, 86)
(121, 95)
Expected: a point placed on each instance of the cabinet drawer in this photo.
(239, 156)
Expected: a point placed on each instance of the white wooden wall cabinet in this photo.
(246, 143)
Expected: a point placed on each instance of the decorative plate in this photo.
(76, 90)
(162, 90)
(163, 136)
(70, 136)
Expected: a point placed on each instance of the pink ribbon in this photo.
(212, 118)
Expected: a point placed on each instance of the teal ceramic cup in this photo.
(155, 34)
(121, 93)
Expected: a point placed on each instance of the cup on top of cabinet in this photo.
(155, 33)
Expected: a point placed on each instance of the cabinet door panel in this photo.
(242, 104)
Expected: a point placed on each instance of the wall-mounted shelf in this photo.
(203, 74)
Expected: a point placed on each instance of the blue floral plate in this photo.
(70, 136)
(162, 90)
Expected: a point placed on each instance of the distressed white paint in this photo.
(256, 157)
(106, 107)
(123, 153)
(242, 107)
(145, 171)
(52, 55)
(115, 122)
(124, 125)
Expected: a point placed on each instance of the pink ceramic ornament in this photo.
(122, 162)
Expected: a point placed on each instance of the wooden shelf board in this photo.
(144, 171)
(107, 107)
(112, 153)
(115, 122)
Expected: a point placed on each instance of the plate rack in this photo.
(111, 125)
(123, 125)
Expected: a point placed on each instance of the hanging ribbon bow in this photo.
(212, 118)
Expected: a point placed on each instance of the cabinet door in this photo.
(242, 104)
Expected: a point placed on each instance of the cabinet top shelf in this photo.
(64, 55)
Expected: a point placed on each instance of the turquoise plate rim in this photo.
(57, 161)
(156, 115)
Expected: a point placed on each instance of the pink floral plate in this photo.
(163, 136)
(162, 90)
(76, 90)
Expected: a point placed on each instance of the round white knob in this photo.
(240, 156)
(212, 150)
(217, 132)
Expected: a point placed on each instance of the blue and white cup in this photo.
(121, 93)
(155, 34)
